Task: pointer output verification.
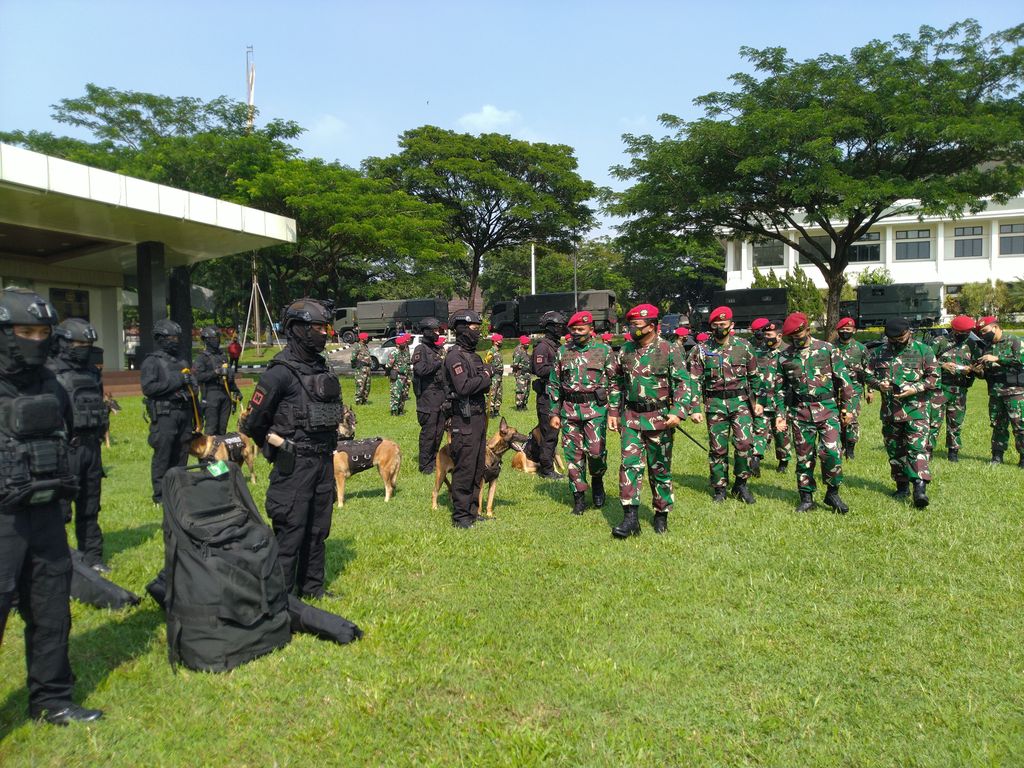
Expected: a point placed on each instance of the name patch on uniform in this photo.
(257, 397)
(457, 369)
(540, 358)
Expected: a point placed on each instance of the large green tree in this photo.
(498, 192)
(932, 124)
(672, 271)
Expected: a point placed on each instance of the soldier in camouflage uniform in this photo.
(855, 355)
(725, 371)
(578, 387)
(521, 372)
(904, 371)
(813, 389)
(1002, 366)
(493, 359)
(767, 346)
(651, 394)
(954, 355)
(399, 372)
(362, 362)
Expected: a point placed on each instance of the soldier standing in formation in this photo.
(954, 355)
(35, 564)
(767, 347)
(170, 398)
(725, 369)
(293, 416)
(1002, 366)
(362, 362)
(521, 372)
(90, 419)
(468, 381)
(543, 358)
(401, 364)
(428, 385)
(216, 383)
(579, 384)
(855, 355)
(811, 385)
(493, 359)
(651, 395)
(904, 371)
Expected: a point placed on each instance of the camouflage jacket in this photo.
(361, 356)
(521, 360)
(726, 368)
(767, 362)
(961, 356)
(492, 357)
(910, 367)
(650, 383)
(402, 363)
(582, 373)
(813, 383)
(1006, 378)
(855, 355)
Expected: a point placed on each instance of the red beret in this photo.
(720, 313)
(988, 319)
(845, 321)
(962, 323)
(581, 318)
(524, 339)
(606, 336)
(681, 331)
(440, 341)
(703, 337)
(643, 311)
(795, 322)
(759, 324)
(364, 336)
(497, 337)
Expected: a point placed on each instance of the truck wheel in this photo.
(349, 337)
(374, 363)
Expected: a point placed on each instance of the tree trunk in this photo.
(471, 299)
(835, 282)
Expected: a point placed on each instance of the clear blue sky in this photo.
(357, 74)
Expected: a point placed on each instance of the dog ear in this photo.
(503, 426)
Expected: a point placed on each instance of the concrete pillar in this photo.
(149, 261)
(181, 308)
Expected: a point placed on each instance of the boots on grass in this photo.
(833, 500)
(630, 525)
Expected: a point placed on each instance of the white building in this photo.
(986, 246)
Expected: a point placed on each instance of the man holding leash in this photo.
(217, 383)
(428, 386)
(544, 352)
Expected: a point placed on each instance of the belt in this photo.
(722, 394)
(174, 405)
(313, 449)
(805, 399)
(646, 406)
(578, 397)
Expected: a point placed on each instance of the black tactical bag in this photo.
(90, 588)
(225, 594)
(311, 620)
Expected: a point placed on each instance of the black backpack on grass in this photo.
(226, 602)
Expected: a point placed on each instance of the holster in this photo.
(285, 459)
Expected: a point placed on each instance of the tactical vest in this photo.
(213, 362)
(34, 467)
(360, 452)
(89, 411)
(318, 408)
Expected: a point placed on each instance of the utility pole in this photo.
(533, 268)
(250, 84)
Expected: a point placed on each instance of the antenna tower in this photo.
(250, 84)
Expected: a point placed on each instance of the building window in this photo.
(1011, 239)
(768, 255)
(913, 245)
(968, 243)
(868, 248)
(822, 240)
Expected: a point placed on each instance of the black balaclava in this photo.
(77, 357)
(307, 343)
(213, 344)
(466, 338)
(758, 336)
(168, 344)
(23, 354)
(430, 336)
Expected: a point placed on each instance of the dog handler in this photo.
(428, 385)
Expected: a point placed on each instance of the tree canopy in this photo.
(932, 124)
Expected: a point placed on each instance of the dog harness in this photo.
(360, 452)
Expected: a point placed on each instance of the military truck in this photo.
(920, 303)
(748, 304)
(522, 314)
(386, 317)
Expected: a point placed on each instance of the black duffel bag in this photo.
(311, 620)
(90, 588)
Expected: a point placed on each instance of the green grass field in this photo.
(746, 636)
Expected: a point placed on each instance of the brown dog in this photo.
(352, 456)
(522, 461)
(112, 407)
(234, 446)
(504, 439)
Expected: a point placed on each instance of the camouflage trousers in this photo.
(813, 441)
(398, 396)
(406, 389)
(584, 448)
(653, 448)
(1006, 414)
(729, 419)
(952, 411)
(494, 396)
(764, 430)
(522, 391)
(362, 385)
(850, 434)
(906, 443)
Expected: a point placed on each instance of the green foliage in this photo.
(498, 192)
(672, 272)
(839, 143)
(980, 299)
(802, 295)
(876, 276)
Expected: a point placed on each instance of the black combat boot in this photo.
(953, 455)
(902, 490)
(718, 494)
(550, 474)
(850, 450)
(742, 492)
(783, 464)
(755, 466)
(597, 490)
(920, 494)
(806, 502)
(660, 522)
(579, 502)
(630, 525)
(997, 458)
(833, 500)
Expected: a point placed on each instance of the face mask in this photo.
(772, 342)
(988, 337)
(638, 333)
(467, 339)
(897, 343)
(34, 352)
(309, 342)
(845, 335)
(960, 338)
(166, 344)
(721, 333)
(579, 339)
(555, 331)
(430, 337)
(759, 337)
(213, 345)
(801, 341)
(78, 355)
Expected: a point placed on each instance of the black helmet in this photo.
(430, 324)
(165, 327)
(21, 307)
(308, 310)
(465, 317)
(552, 318)
(75, 329)
(209, 334)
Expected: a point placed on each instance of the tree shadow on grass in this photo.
(128, 538)
(95, 654)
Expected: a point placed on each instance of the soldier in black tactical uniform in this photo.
(428, 386)
(467, 380)
(217, 384)
(170, 398)
(541, 361)
(80, 379)
(293, 416)
(35, 564)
